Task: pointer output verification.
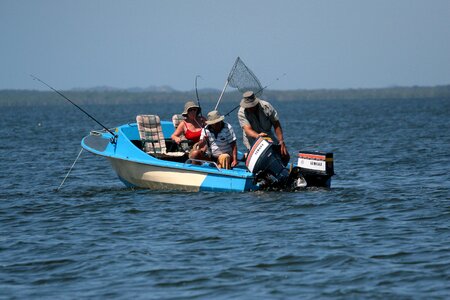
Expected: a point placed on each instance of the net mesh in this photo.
(243, 79)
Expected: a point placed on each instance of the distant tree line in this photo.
(415, 92)
(32, 97)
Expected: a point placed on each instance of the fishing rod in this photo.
(276, 79)
(208, 145)
(196, 93)
(62, 95)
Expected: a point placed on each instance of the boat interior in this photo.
(152, 135)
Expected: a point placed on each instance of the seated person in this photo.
(191, 127)
(219, 141)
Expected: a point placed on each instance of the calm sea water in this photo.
(381, 231)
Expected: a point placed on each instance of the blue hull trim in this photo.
(136, 168)
(126, 183)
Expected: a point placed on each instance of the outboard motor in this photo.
(316, 167)
(313, 168)
(264, 160)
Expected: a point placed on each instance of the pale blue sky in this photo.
(318, 44)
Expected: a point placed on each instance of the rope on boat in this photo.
(69, 170)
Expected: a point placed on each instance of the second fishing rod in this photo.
(113, 139)
(256, 93)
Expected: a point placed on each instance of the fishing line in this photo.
(69, 170)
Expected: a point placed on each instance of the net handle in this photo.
(226, 82)
(221, 94)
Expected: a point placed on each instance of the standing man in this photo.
(257, 117)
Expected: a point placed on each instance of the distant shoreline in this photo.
(90, 96)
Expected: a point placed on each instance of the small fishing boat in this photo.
(143, 157)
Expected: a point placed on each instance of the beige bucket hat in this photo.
(188, 105)
(249, 100)
(214, 117)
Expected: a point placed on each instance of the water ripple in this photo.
(382, 230)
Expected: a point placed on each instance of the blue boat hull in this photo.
(136, 168)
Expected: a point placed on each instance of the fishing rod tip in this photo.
(34, 77)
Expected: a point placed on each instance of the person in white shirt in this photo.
(218, 141)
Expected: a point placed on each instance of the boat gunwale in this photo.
(151, 160)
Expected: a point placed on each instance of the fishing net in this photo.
(243, 79)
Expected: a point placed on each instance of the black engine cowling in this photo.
(264, 161)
